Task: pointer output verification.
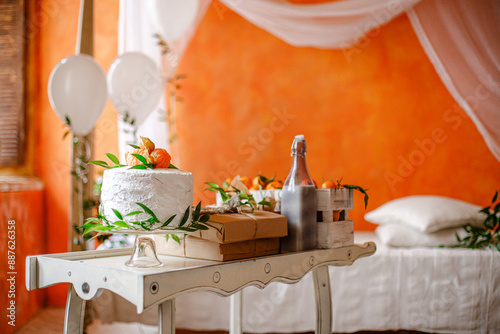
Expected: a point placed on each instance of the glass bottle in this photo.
(298, 202)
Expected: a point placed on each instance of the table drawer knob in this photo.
(85, 288)
(154, 287)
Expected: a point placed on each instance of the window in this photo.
(12, 116)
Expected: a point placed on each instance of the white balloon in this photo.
(77, 91)
(135, 85)
(173, 17)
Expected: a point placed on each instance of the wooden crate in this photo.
(334, 229)
(335, 234)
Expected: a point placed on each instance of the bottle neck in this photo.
(299, 175)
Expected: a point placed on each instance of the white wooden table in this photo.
(92, 271)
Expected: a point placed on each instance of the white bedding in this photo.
(428, 289)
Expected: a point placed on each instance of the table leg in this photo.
(75, 311)
(166, 317)
(323, 300)
(236, 313)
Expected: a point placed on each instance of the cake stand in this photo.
(144, 251)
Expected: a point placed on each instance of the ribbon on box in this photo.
(233, 205)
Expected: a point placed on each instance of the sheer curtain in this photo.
(136, 30)
(461, 39)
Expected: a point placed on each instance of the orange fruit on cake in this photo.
(246, 181)
(133, 161)
(146, 144)
(161, 158)
(275, 185)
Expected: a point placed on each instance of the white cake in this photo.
(165, 191)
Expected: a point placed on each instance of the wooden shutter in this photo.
(11, 82)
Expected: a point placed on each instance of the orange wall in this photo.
(21, 233)
(365, 113)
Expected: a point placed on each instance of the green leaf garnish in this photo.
(134, 146)
(102, 225)
(185, 217)
(139, 167)
(176, 238)
(148, 211)
(363, 191)
(113, 158)
(121, 223)
(204, 218)
(118, 214)
(265, 203)
(140, 158)
(133, 213)
(196, 213)
(168, 221)
(99, 163)
(172, 166)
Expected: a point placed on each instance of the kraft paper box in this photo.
(208, 250)
(234, 227)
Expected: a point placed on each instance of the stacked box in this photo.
(230, 236)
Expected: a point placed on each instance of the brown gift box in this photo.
(208, 250)
(234, 227)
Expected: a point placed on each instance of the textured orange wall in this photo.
(56, 24)
(24, 236)
(364, 112)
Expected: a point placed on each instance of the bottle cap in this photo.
(299, 146)
(300, 137)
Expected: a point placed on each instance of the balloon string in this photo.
(82, 155)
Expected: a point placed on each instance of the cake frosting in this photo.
(165, 191)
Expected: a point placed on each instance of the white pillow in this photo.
(402, 236)
(427, 213)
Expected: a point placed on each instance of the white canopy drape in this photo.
(330, 25)
(460, 38)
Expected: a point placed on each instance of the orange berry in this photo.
(146, 144)
(275, 185)
(254, 188)
(315, 184)
(246, 181)
(161, 158)
(258, 180)
(133, 161)
(328, 184)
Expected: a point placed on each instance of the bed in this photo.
(442, 290)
